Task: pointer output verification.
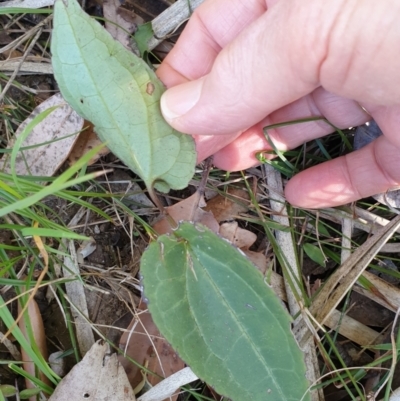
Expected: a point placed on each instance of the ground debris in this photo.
(99, 376)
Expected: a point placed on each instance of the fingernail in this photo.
(177, 101)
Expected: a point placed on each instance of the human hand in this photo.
(242, 65)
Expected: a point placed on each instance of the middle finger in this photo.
(240, 154)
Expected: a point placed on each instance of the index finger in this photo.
(212, 26)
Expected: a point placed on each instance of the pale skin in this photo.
(243, 64)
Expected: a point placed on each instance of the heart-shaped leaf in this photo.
(215, 309)
(116, 91)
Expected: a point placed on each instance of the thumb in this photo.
(251, 77)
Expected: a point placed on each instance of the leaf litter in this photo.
(121, 22)
(218, 214)
(48, 143)
(143, 343)
(99, 376)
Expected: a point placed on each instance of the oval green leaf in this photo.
(315, 253)
(28, 393)
(120, 95)
(224, 321)
(7, 390)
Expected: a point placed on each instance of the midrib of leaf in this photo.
(100, 92)
(234, 316)
(197, 326)
(126, 116)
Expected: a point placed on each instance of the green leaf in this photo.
(143, 34)
(315, 254)
(224, 321)
(7, 390)
(120, 95)
(28, 393)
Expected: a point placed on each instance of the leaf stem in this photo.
(157, 202)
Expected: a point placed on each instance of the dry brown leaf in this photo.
(190, 209)
(244, 239)
(258, 259)
(35, 319)
(44, 160)
(98, 376)
(225, 208)
(144, 344)
(239, 237)
(86, 141)
(5, 38)
(12, 53)
(123, 21)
